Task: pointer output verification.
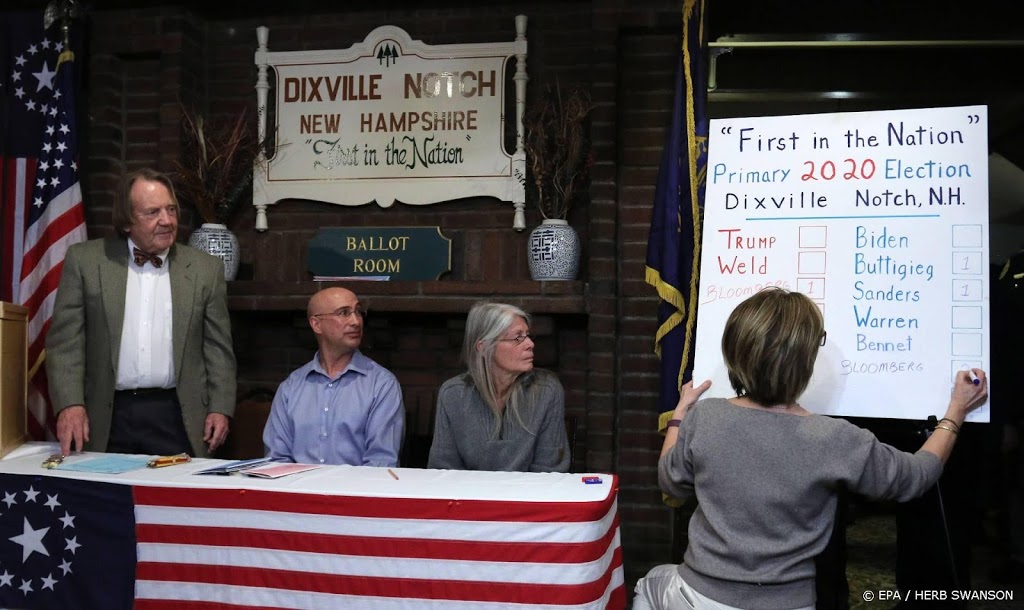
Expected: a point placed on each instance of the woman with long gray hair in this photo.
(501, 414)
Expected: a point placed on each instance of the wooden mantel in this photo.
(552, 297)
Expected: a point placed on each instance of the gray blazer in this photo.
(84, 341)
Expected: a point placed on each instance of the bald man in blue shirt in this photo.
(341, 407)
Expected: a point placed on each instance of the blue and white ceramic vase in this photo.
(217, 240)
(554, 251)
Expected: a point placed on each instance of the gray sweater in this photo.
(464, 429)
(766, 485)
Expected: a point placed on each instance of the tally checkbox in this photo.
(963, 365)
(813, 287)
(966, 236)
(810, 263)
(966, 290)
(966, 344)
(967, 263)
(966, 316)
(813, 237)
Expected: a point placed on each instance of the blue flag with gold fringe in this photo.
(673, 246)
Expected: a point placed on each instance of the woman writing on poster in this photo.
(766, 471)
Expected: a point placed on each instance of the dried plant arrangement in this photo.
(557, 143)
(216, 164)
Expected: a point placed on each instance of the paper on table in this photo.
(274, 471)
(235, 466)
(107, 464)
(34, 448)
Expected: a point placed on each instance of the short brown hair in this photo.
(770, 343)
(122, 212)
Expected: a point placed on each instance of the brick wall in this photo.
(647, 74)
(141, 63)
(596, 333)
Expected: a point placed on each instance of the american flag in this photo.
(40, 193)
(70, 544)
(63, 545)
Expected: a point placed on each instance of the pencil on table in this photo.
(392, 473)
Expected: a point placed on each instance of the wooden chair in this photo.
(245, 438)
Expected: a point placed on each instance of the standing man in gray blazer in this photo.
(139, 354)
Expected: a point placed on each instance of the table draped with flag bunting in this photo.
(40, 193)
(334, 537)
(673, 247)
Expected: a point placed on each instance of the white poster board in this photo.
(881, 218)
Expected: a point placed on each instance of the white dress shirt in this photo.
(146, 359)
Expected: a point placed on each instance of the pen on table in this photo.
(392, 473)
(169, 460)
(974, 378)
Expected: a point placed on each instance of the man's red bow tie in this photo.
(141, 258)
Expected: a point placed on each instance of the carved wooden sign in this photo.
(391, 118)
